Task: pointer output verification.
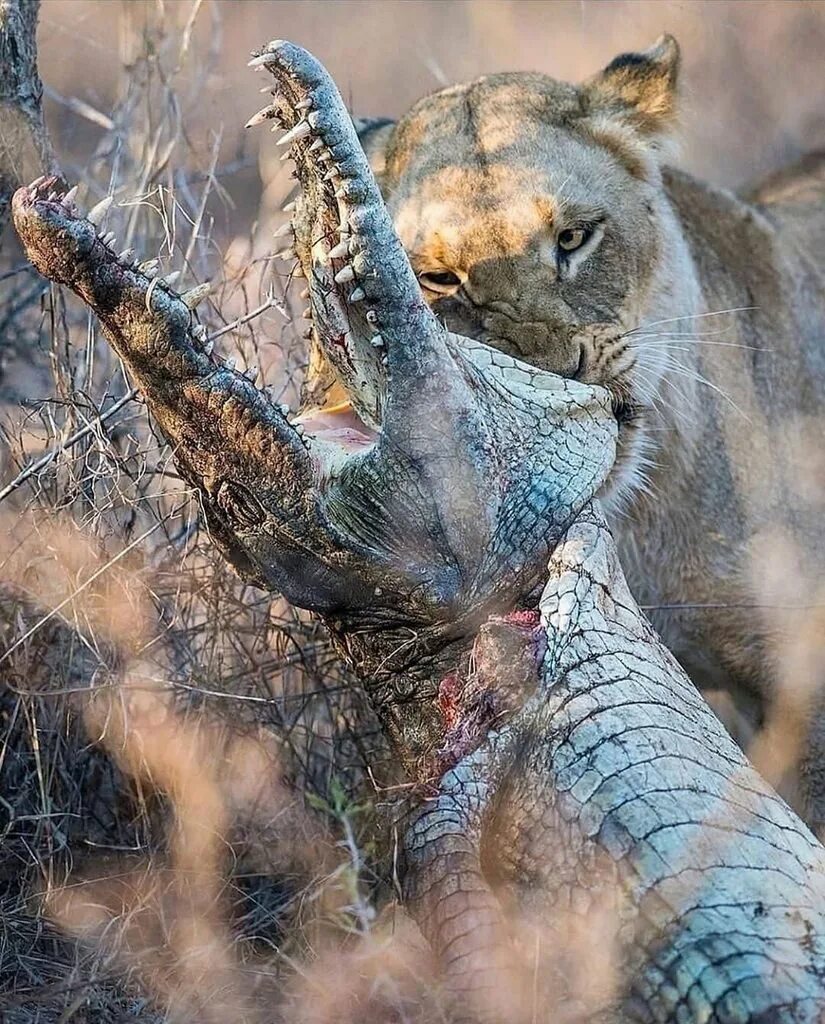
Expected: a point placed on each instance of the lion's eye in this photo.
(573, 238)
(443, 281)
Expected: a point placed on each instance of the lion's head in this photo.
(534, 216)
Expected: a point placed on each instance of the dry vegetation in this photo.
(157, 717)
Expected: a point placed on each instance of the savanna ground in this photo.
(157, 717)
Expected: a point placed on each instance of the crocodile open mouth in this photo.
(358, 281)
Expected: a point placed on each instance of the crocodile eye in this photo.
(442, 281)
(573, 238)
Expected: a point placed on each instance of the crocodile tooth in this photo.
(70, 196)
(199, 332)
(300, 131)
(99, 211)
(298, 428)
(196, 295)
(149, 291)
(357, 295)
(38, 181)
(283, 231)
(230, 363)
(126, 256)
(285, 254)
(267, 57)
(251, 373)
(52, 197)
(333, 174)
(325, 156)
(377, 341)
(341, 193)
(285, 410)
(298, 271)
(171, 278)
(148, 266)
(345, 274)
(208, 346)
(108, 238)
(307, 313)
(303, 104)
(305, 293)
(384, 360)
(264, 114)
(314, 119)
(316, 145)
(339, 250)
(290, 207)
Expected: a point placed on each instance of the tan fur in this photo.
(721, 470)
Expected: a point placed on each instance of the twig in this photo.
(78, 435)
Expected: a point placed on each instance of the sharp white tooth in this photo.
(285, 410)
(171, 278)
(199, 332)
(283, 231)
(99, 211)
(148, 266)
(377, 341)
(305, 293)
(298, 271)
(285, 254)
(149, 291)
(333, 174)
(52, 197)
(261, 59)
(303, 104)
(357, 295)
(384, 360)
(290, 207)
(208, 346)
(70, 196)
(38, 181)
(300, 131)
(314, 119)
(345, 274)
(316, 145)
(341, 193)
(264, 114)
(337, 251)
(230, 362)
(126, 256)
(196, 295)
(251, 373)
(307, 313)
(108, 238)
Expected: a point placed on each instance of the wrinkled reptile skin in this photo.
(609, 780)
(616, 783)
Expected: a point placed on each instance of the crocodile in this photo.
(449, 535)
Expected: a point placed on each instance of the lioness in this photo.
(541, 218)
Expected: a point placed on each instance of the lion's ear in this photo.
(639, 88)
(374, 135)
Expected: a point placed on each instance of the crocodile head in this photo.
(434, 501)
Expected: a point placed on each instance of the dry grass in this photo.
(157, 716)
